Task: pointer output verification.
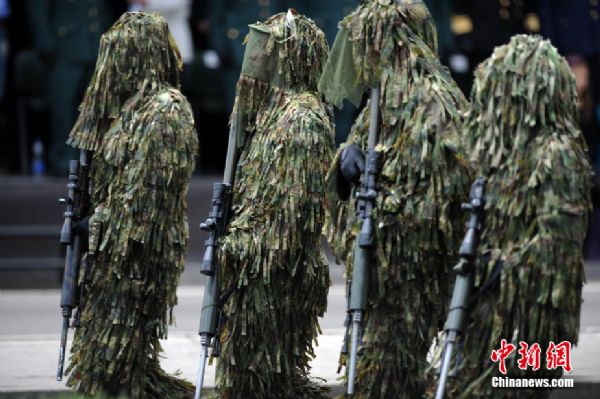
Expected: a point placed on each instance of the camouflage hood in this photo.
(524, 91)
(368, 41)
(137, 57)
(286, 52)
(524, 139)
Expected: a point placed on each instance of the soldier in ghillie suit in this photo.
(271, 256)
(424, 178)
(141, 131)
(524, 141)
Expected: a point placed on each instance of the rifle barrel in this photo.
(365, 197)
(202, 366)
(68, 296)
(209, 315)
(62, 350)
(446, 358)
(356, 326)
(230, 161)
(374, 118)
(457, 312)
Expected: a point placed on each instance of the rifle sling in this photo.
(488, 283)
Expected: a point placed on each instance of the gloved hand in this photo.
(82, 229)
(351, 167)
(352, 163)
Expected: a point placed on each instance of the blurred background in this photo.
(48, 51)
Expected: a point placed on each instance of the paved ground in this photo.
(30, 325)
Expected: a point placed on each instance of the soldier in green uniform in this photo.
(327, 15)
(271, 256)
(486, 24)
(141, 131)
(67, 33)
(524, 141)
(440, 11)
(229, 25)
(229, 20)
(423, 180)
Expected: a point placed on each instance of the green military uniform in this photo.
(490, 23)
(68, 34)
(141, 131)
(271, 255)
(423, 180)
(230, 19)
(524, 140)
(229, 26)
(327, 15)
(440, 11)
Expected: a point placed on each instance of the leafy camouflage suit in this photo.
(423, 180)
(524, 140)
(272, 253)
(141, 131)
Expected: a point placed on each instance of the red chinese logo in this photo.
(501, 354)
(529, 356)
(559, 355)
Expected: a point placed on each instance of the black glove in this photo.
(350, 169)
(82, 229)
(352, 163)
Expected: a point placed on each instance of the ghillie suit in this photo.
(524, 141)
(141, 131)
(271, 256)
(423, 180)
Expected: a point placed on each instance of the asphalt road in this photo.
(30, 328)
(30, 312)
